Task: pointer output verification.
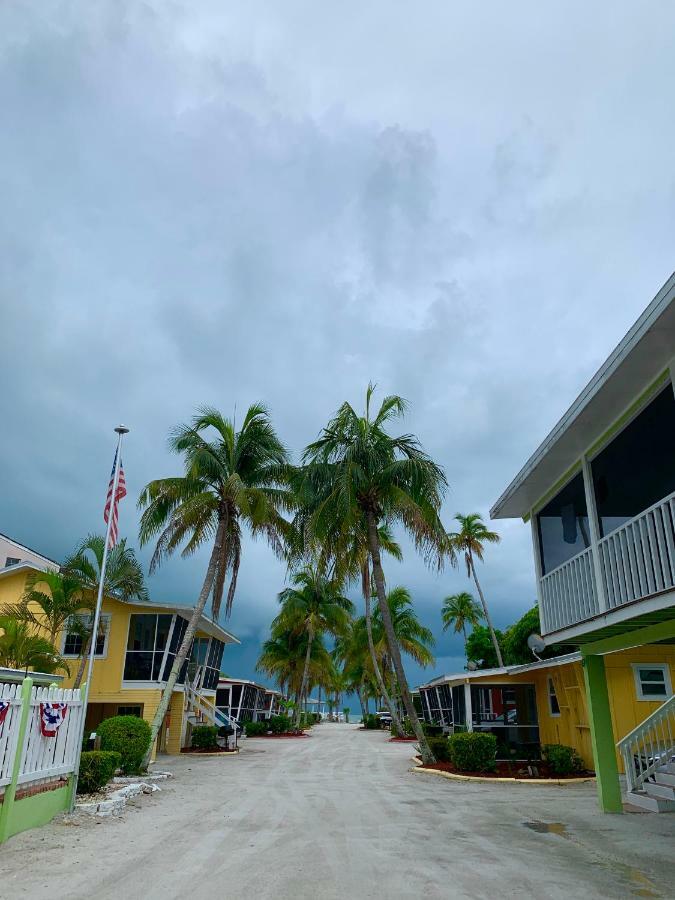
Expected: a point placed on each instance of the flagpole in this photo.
(121, 430)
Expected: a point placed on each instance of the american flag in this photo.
(119, 493)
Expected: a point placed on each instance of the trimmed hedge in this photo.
(97, 767)
(204, 737)
(440, 747)
(255, 728)
(279, 724)
(562, 760)
(130, 737)
(432, 730)
(473, 751)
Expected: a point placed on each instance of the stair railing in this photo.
(649, 746)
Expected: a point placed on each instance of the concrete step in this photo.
(664, 777)
(657, 789)
(652, 804)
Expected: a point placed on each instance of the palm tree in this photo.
(20, 648)
(49, 601)
(470, 540)
(283, 656)
(314, 606)
(461, 610)
(362, 477)
(123, 578)
(236, 480)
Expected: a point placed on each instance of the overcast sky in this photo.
(468, 204)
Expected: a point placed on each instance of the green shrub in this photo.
(440, 747)
(562, 760)
(130, 737)
(473, 751)
(204, 737)
(371, 721)
(97, 767)
(280, 724)
(432, 730)
(253, 729)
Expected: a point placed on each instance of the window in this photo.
(636, 470)
(553, 705)
(12, 561)
(563, 526)
(129, 711)
(77, 630)
(652, 681)
(148, 635)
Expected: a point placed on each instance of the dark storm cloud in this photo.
(208, 206)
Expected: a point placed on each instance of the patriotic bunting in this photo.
(51, 717)
(4, 709)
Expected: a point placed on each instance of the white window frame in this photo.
(639, 692)
(105, 618)
(551, 693)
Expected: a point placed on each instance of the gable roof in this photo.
(14, 543)
(641, 357)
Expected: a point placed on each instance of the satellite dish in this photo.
(536, 643)
(471, 666)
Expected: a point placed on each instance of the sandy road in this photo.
(339, 815)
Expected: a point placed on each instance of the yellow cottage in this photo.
(544, 702)
(134, 653)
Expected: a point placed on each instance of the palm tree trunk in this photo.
(378, 674)
(394, 649)
(305, 677)
(500, 661)
(464, 635)
(186, 642)
(83, 662)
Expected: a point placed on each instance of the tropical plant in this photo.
(357, 477)
(97, 767)
(20, 648)
(414, 639)
(473, 751)
(314, 605)
(204, 737)
(49, 601)
(283, 656)
(460, 610)
(480, 647)
(124, 579)
(470, 541)
(236, 480)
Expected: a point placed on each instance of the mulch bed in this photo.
(291, 734)
(510, 770)
(402, 740)
(193, 752)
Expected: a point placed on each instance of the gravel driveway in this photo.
(339, 815)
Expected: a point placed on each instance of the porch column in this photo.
(602, 734)
(592, 511)
(468, 709)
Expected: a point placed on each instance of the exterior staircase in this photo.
(648, 754)
(201, 710)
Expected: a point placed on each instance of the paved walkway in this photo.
(338, 815)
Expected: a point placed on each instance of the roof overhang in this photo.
(641, 357)
(16, 676)
(491, 674)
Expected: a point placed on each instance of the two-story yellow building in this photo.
(135, 650)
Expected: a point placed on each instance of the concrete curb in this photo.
(419, 769)
(189, 755)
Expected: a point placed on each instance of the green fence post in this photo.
(10, 790)
(602, 735)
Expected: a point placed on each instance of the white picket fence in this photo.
(42, 757)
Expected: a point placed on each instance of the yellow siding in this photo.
(106, 685)
(571, 726)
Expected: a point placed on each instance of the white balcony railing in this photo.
(635, 561)
(638, 559)
(568, 593)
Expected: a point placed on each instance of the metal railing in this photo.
(649, 746)
(568, 593)
(638, 559)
